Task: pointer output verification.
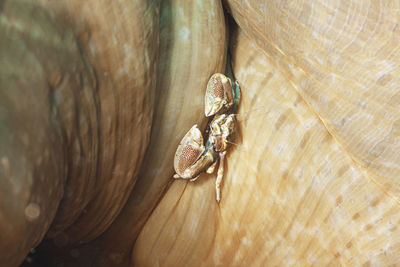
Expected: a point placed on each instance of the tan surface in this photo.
(39, 59)
(192, 48)
(342, 57)
(291, 194)
(121, 42)
(314, 178)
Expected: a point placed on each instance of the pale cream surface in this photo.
(342, 57)
(292, 193)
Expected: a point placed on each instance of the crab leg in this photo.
(212, 167)
(220, 175)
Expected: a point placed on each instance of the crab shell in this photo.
(219, 96)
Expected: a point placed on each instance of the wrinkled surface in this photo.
(342, 58)
(106, 143)
(38, 59)
(291, 194)
(192, 48)
(314, 176)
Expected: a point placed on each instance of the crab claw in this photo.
(219, 95)
(188, 152)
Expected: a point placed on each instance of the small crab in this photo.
(192, 157)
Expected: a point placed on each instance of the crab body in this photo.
(222, 131)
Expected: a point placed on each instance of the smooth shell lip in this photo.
(194, 138)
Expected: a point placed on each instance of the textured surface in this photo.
(314, 178)
(292, 194)
(106, 145)
(192, 48)
(343, 60)
(39, 59)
